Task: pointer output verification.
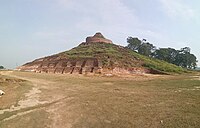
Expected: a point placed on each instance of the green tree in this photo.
(185, 50)
(182, 57)
(133, 43)
(1, 67)
(146, 48)
(192, 61)
(166, 54)
(186, 60)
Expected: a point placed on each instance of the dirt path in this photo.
(67, 106)
(31, 99)
(34, 99)
(62, 101)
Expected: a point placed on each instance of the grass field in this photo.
(68, 101)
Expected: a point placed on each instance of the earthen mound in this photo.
(97, 55)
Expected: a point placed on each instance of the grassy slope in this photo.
(160, 65)
(119, 56)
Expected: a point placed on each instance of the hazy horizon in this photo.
(30, 29)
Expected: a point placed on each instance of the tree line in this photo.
(182, 57)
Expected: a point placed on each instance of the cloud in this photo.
(47, 38)
(47, 35)
(111, 14)
(114, 19)
(178, 9)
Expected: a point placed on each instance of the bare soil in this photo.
(69, 101)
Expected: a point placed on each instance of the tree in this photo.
(186, 60)
(133, 43)
(1, 67)
(182, 57)
(185, 50)
(192, 61)
(146, 48)
(142, 47)
(166, 54)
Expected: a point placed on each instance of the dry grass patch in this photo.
(140, 101)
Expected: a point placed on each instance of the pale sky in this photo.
(31, 29)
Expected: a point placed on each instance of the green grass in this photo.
(120, 57)
(160, 65)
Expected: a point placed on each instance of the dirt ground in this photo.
(65, 101)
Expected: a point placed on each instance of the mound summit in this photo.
(98, 55)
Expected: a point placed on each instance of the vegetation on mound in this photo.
(160, 65)
(112, 55)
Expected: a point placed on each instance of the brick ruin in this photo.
(55, 64)
(63, 65)
(97, 38)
